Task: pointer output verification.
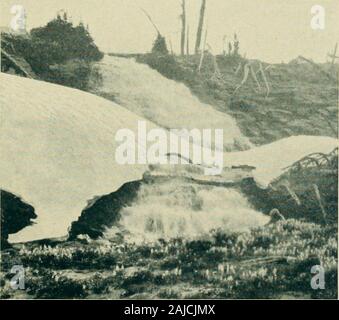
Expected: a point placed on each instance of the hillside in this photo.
(67, 140)
(158, 232)
(165, 102)
(302, 97)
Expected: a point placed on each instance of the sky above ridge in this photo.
(269, 30)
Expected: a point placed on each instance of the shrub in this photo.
(159, 45)
(58, 52)
(52, 286)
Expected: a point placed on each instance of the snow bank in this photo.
(58, 150)
(271, 159)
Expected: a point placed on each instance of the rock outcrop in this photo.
(15, 215)
(104, 211)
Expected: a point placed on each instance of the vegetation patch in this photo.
(273, 261)
(59, 52)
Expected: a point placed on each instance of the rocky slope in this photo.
(302, 97)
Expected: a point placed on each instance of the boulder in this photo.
(15, 215)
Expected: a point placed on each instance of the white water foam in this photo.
(165, 102)
(174, 209)
(58, 151)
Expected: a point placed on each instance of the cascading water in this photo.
(165, 102)
(177, 209)
(66, 142)
(173, 208)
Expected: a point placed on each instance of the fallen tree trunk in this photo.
(19, 64)
(150, 20)
(265, 79)
(316, 66)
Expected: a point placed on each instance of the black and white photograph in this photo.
(169, 150)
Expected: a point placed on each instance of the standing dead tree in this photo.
(200, 26)
(333, 55)
(217, 74)
(171, 47)
(235, 45)
(150, 20)
(183, 27)
(202, 52)
(230, 48)
(224, 45)
(188, 41)
(159, 45)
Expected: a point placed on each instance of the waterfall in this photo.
(177, 209)
(167, 103)
(58, 151)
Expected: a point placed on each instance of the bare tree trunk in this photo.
(188, 40)
(333, 56)
(200, 26)
(255, 78)
(265, 79)
(202, 52)
(150, 20)
(171, 47)
(183, 27)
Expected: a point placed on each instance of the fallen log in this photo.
(19, 64)
(316, 66)
(265, 79)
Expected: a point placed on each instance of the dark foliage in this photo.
(273, 261)
(65, 41)
(15, 215)
(159, 45)
(104, 211)
(58, 52)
